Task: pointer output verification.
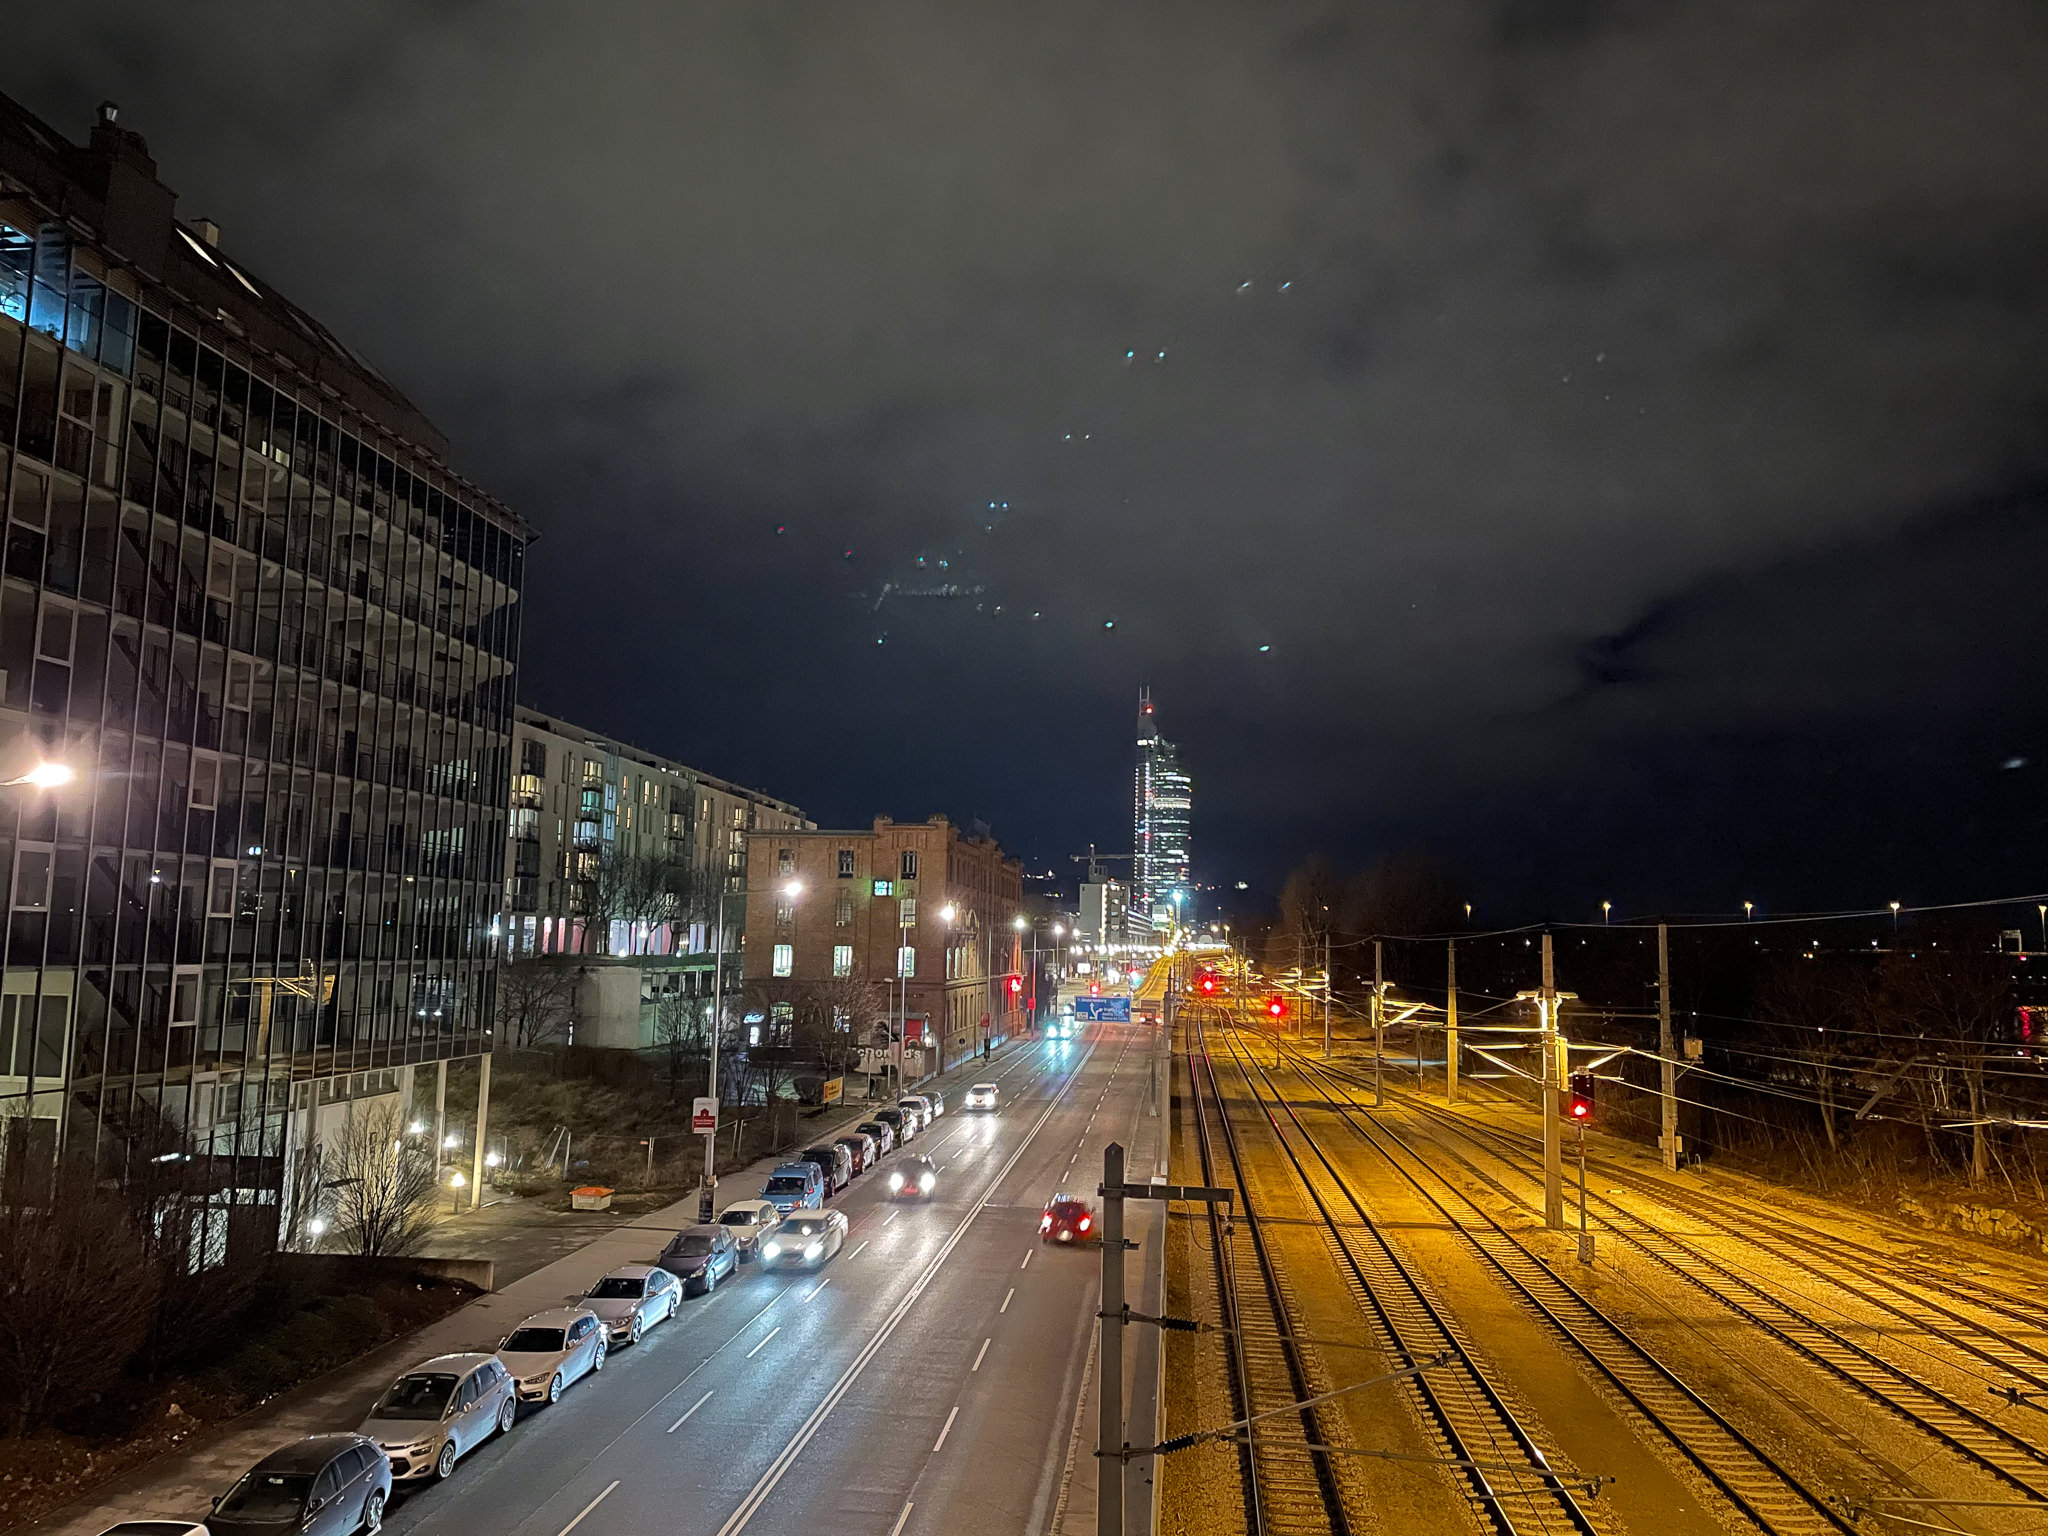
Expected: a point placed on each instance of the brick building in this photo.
(927, 913)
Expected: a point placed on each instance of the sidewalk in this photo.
(516, 1234)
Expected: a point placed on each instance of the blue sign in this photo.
(1103, 1010)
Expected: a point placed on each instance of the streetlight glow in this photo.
(794, 889)
(947, 913)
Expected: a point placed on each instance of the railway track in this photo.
(1292, 1485)
(1508, 1475)
(1763, 1490)
(1996, 1448)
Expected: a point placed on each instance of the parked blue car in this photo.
(795, 1186)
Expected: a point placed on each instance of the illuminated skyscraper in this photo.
(1163, 806)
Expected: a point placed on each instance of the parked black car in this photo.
(835, 1162)
(323, 1485)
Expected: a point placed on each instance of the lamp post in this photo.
(706, 1177)
(43, 775)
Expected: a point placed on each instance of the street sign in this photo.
(834, 1089)
(1103, 1010)
(704, 1116)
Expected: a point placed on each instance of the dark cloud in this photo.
(1491, 330)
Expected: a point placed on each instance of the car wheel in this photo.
(710, 1281)
(555, 1388)
(508, 1415)
(597, 1360)
(444, 1463)
(675, 1301)
(373, 1514)
(635, 1331)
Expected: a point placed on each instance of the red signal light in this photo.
(1276, 1008)
(1207, 986)
(1579, 1100)
(1016, 985)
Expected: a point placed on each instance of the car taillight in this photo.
(1084, 1223)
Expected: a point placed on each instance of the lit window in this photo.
(785, 861)
(842, 911)
(842, 959)
(846, 863)
(785, 914)
(785, 959)
(906, 961)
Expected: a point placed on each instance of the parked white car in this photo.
(632, 1299)
(439, 1410)
(751, 1221)
(551, 1350)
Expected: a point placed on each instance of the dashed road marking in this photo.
(764, 1342)
(940, 1442)
(590, 1506)
(897, 1528)
(692, 1409)
(1006, 1301)
(819, 1287)
(974, 1367)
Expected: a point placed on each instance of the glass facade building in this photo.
(274, 639)
(1164, 805)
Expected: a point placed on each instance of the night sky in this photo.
(1604, 441)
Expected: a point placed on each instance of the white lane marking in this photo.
(1006, 1301)
(890, 1217)
(819, 1287)
(979, 1353)
(856, 1252)
(588, 1508)
(940, 1443)
(764, 1341)
(786, 1458)
(692, 1409)
(897, 1528)
(1027, 1259)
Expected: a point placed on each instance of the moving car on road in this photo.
(834, 1161)
(701, 1256)
(1067, 1219)
(862, 1148)
(806, 1240)
(750, 1221)
(439, 1410)
(795, 1187)
(883, 1136)
(981, 1096)
(552, 1349)
(914, 1180)
(323, 1485)
(634, 1298)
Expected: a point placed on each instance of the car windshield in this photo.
(421, 1395)
(691, 1247)
(534, 1341)
(617, 1288)
(268, 1496)
(786, 1184)
(808, 1228)
(740, 1218)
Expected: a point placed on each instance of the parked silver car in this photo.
(633, 1298)
(750, 1221)
(439, 1411)
(552, 1349)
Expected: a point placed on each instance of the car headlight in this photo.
(895, 1181)
(1045, 1223)
(770, 1249)
(926, 1183)
(813, 1250)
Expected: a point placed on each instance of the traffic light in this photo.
(1579, 1097)
(1276, 1008)
(1016, 985)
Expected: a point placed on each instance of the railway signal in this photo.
(1580, 1097)
(1207, 984)
(1276, 1008)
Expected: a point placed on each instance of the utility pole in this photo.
(1451, 1028)
(1379, 1087)
(1667, 1064)
(1326, 997)
(706, 1178)
(1553, 1087)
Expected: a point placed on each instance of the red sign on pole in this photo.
(704, 1116)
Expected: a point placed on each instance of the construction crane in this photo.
(1095, 861)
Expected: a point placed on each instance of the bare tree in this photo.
(1408, 892)
(1953, 987)
(1309, 903)
(382, 1184)
(682, 1032)
(536, 1002)
(77, 1292)
(1819, 1010)
(616, 886)
(835, 1015)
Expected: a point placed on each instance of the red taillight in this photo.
(1084, 1223)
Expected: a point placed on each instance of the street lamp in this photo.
(1895, 917)
(1606, 907)
(1747, 908)
(2044, 927)
(43, 776)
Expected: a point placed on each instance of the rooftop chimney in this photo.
(207, 230)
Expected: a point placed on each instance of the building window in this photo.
(785, 913)
(842, 959)
(785, 959)
(846, 863)
(842, 910)
(781, 1023)
(885, 887)
(785, 862)
(910, 863)
(906, 962)
(906, 912)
